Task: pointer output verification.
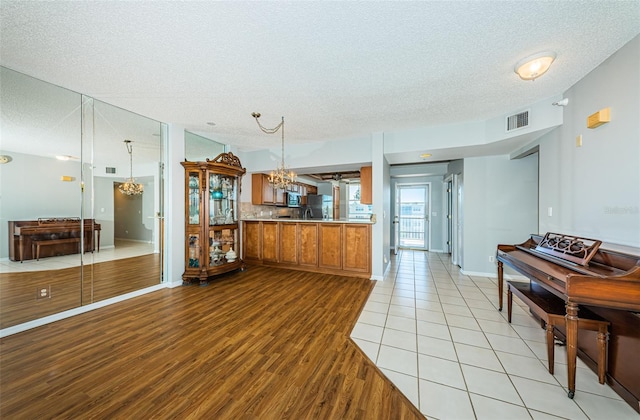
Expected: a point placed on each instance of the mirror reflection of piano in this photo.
(581, 272)
(53, 236)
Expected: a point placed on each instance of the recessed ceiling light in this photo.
(5, 159)
(425, 155)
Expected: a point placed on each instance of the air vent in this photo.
(111, 170)
(518, 121)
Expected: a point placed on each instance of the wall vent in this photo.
(111, 170)
(517, 121)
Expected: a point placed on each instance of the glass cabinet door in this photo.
(194, 250)
(222, 200)
(194, 198)
(222, 246)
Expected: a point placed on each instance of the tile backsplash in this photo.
(251, 211)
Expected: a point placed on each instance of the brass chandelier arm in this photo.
(274, 130)
(281, 177)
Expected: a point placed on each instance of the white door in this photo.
(412, 202)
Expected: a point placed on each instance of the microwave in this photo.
(293, 199)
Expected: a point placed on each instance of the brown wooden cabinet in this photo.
(366, 193)
(263, 193)
(289, 243)
(212, 239)
(251, 240)
(357, 250)
(261, 190)
(270, 241)
(308, 235)
(330, 246)
(280, 197)
(323, 247)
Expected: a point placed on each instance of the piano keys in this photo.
(607, 281)
(24, 234)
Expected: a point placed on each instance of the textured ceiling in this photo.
(332, 69)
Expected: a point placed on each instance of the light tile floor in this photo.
(437, 335)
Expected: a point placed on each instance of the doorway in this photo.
(412, 212)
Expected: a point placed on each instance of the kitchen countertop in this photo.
(292, 220)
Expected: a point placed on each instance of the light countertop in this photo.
(292, 220)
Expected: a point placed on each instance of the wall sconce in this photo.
(532, 67)
(67, 178)
(597, 119)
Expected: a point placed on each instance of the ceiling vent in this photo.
(111, 170)
(517, 121)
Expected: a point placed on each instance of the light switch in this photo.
(550, 211)
(579, 141)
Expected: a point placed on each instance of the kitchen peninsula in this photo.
(341, 247)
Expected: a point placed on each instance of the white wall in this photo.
(31, 188)
(542, 116)
(174, 205)
(594, 190)
(386, 220)
(380, 231)
(104, 210)
(500, 207)
(435, 137)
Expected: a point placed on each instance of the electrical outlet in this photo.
(43, 292)
(490, 258)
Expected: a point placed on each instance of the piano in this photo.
(608, 282)
(56, 235)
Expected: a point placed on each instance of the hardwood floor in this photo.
(19, 300)
(266, 343)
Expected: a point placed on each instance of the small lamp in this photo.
(532, 67)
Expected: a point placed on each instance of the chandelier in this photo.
(129, 187)
(282, 177)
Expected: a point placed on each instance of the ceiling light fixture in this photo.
(282, 177)
(425, 155)
(129, 187)
(532, 67)
(66, 157)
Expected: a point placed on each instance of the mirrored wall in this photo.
(198, 148)
(69, 236)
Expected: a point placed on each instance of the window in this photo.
(356, 210)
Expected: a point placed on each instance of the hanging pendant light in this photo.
(281, 177)
(129, 186)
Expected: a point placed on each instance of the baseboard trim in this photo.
(77, 311)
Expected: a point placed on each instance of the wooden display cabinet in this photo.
(212, 236)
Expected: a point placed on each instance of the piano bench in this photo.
(551, 309)
(35, 245)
